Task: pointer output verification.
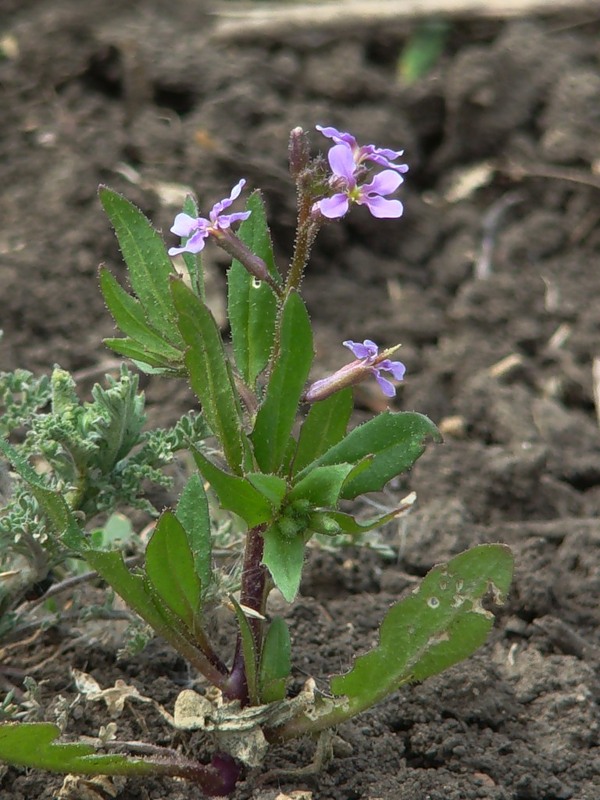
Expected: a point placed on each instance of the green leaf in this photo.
(442, 623)
(395, 440)
(235, 494)
(148, 263)
(322, 485)
(131, 320)
(277, 414)
(171, 570)
(143, 598)
(350, 525)
(252, 305)
(324, 426)
(192, 512)
(33, 744)
(54, 506)
(193, 261)
(284, 558)
(275, 662)
(210, 374)
(248, 651)
(146, 360)
(271, 486)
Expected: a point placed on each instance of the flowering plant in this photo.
(282, 479)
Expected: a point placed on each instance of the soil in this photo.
(491, 281)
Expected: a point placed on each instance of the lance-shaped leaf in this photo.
(275, 662)
(348, 524)
(210, 374)
(130, 318)
(235, 493)
(284, 558)
(277, 414)
(442, 623)
(54, 506)
(171, 569)
(272, 487)
(149, 362)
(322, 485)
(192, 512)
(252, 305)
(324, 426)
(394, 440)
(147, 261)
(34, 745)
(248, 651)
(140, 595)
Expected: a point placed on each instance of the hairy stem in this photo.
(253, 595)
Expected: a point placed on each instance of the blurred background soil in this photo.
(491, 282)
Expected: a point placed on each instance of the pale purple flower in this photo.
(367, 152)
(345, 185)
(197, 230)
(368, 353)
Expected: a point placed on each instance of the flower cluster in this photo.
(347, 161)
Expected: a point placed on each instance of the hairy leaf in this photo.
(192, 512)
(235, 493)
(284, 558)
(252, 305)
(324, 426)
(275, 662)
(210, 375)
(442, 623)
(130, 318)
(34, 744)
(394, 440)
(147, 261)
(322, 485)
(171, 569)
(277, 414)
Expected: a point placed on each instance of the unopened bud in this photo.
(299, 152)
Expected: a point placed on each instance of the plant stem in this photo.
(253, 595)
(307, 228)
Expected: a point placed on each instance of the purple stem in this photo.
(253, 595)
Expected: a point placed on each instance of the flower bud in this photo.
(299, 152)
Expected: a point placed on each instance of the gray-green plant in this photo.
(280, 456)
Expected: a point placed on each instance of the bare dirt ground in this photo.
(491, 281)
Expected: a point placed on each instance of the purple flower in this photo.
(368, 152)
(196, 231)
(344, 183)
(368, 353)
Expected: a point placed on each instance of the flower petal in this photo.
(397, 368)
(384, 182)
(387, 387)
(385, 161)
(333, 207)
(382, 208)
(342, 163)
(337, 136)
(219, 207)
(368, 348)
(184, 225)
(228, 219)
